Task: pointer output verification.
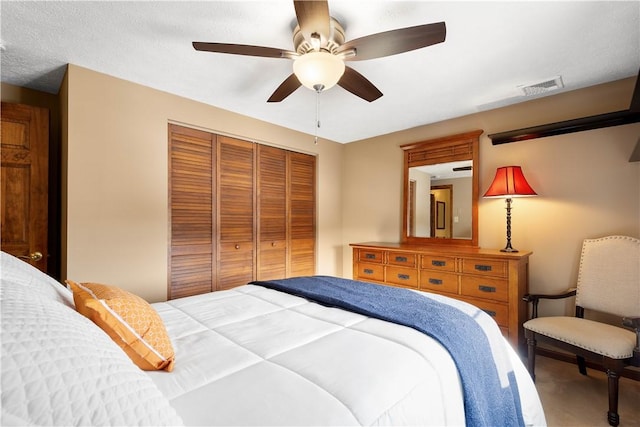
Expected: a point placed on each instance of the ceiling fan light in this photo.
(318, 68)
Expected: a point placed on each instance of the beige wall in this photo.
(116, 205)
(115, 151)
(21, 95)
(586, 186)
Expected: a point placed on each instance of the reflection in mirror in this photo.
(440, 200)
(441, 190)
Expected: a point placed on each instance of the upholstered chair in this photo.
(608, 282)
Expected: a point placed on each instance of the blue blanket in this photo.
(486, 402)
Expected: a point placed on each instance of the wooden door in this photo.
(302, 214)
(24, 148)
(236, 212)
(192, 249)
(272, 213)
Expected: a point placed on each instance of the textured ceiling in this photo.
(491, 48)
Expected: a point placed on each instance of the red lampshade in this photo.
(509, 182)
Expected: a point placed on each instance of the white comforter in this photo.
(247, 356)
(255, 356)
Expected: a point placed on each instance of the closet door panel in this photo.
(236, 212)
(272, 213)
(302, 214)
(235, 265)
(191, 250)
(303, 257)
(272, 257)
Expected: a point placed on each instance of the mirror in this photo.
(440, 198)
(441, 190)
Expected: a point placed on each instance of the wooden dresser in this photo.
(487, 278)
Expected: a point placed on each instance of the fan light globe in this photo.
(318, 68)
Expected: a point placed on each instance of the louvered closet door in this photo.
(236, 212)
(302, 214)
(272, 213)
(191, 185)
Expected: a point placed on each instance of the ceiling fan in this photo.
(320, 51)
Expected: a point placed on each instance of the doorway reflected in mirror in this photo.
(440, 199)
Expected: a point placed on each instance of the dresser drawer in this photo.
(371, 272)
(402, 258)
(438, 263)
(370, 255)
(490, 279)
(485, 267)
(438, 281)
(402, 276)
(498, 312)
(485, 287)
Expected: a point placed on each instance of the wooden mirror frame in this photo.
(464, 146)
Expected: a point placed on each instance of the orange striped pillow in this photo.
(129, 320)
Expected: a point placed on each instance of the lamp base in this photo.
(508, 250)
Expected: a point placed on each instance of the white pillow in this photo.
(39, 284)
(59, 368)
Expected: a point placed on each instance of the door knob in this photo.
(36, 256)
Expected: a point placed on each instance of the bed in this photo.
(253, 355)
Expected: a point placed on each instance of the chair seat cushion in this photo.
(601, 338)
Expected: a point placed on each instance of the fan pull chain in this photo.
(315, 139)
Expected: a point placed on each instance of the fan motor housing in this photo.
(336, 39)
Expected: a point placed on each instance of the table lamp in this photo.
(509, 182)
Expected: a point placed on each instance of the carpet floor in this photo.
(570, 399)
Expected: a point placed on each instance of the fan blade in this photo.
(285, 89)
(358, 85)
(395, 41)
(243, 49)
(313, 17)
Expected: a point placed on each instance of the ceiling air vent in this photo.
(542, 87)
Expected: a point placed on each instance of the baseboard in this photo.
(633, 374)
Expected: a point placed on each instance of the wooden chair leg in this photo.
(531, 354)
(582, 365)
(613, 416)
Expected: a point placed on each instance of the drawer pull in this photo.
(490, 313)
(437, 263)
(435, 281)
(368, 271)
(481, 267)
(401, 259)
(370, 256)
(404, 276)
(487, 288)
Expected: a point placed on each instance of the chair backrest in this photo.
(609, 275)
